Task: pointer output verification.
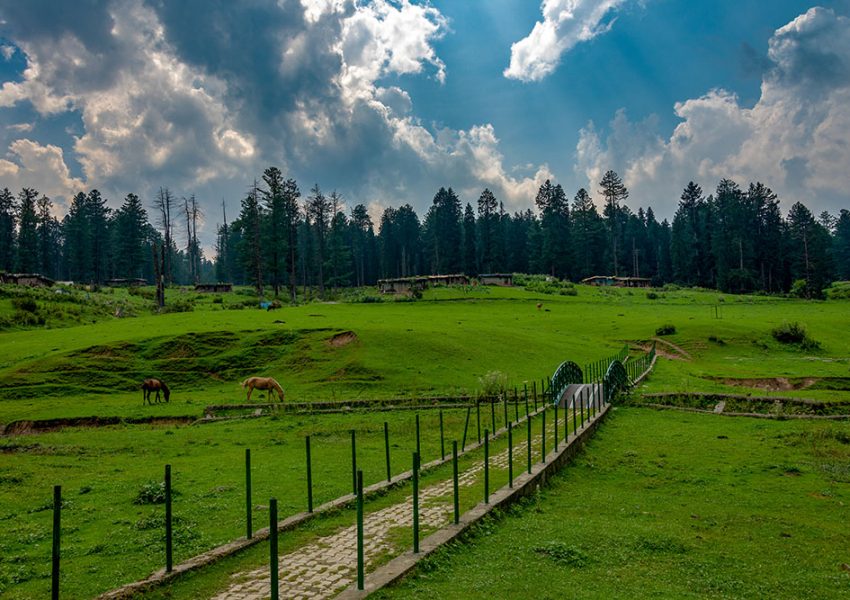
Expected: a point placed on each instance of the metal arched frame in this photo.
(566, 374)
(616, 380)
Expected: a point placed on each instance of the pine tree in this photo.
(48, 238)
(319, 211)
(362, 245)
(841, 245)
(488, 230)
(614, 193)
(443, 233)
(130, 223)
(810, 246)
(251, 247)
(276, 240)
(555, 227)
(7, 230)
(28, 261)
(469, 255)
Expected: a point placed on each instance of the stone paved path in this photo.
(325, 567)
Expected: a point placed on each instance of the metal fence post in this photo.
(309, 477)
(465, 428)
(528, 426)
(455, 482)
(360, 530)
(492, 416)
(387, 449)
(169, 537)
(510, 455)
(556, 427)
(478, 417)
(415, 503)
(353, 463)
(418, 446)
(442, 438)
(249, 528)
(543, 436)
(57, 527)
(273, 563)
(505, 405)
(486, 468)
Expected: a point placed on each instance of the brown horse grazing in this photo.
(154, 385)
(263, 383)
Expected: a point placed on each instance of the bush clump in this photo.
(667, 329)
(651, 296)
(152, 492)
(795, 334)
(25, 304)
(493, 383)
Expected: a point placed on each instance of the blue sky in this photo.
(385, 101)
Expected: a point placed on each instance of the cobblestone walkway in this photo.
(324, 568)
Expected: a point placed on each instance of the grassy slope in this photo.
(670, 505)
(422, 348)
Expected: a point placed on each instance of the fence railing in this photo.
(607, 374)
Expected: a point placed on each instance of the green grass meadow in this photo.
(94, 348)
(668, 505)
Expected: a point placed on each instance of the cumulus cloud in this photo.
(40, 166)
(170, 93)
(793, 139)
(565, 23)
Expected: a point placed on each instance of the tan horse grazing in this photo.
(263, 383)
(154, 385)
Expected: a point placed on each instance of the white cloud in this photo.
(793, 139)
(7, 51)
(21, 127)
(39, 166)
(565, 24)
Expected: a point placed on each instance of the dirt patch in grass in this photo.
(342, 339)
(771, 384)
(666, 349)
(26, 427)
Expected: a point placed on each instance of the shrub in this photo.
(651, 296)
(152, 492)
(25, 304)
(794, 333)
(667, 329)
(217, 300)
(493, 383)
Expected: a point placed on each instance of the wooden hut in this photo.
(213, 288)
(503, 279)
(29, 279)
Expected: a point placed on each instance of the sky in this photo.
(385, 101)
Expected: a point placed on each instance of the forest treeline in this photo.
(734, 239)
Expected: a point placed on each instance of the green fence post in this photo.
(455, 482)
(353, 463)
(486, 468)
(360, 530)
(57, 527)
(309, 478)
(534, 389)
(583, 401)
(273, 564)
(527, 411)
(442, 438)
(528, 426)
(415, 503)
(249, 529)
(478, 417)
(465, 427)
(543, 436)
(516, 409)
(575, 419)
(556, 427)
(505, 405)
(387, 449)
(510, 455)
(169, 531)
(418, 446)
(492, 416)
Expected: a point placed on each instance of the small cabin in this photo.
(213, 288)
(503, 279)
(454, 279)
(28, 279)
(132, 282)
(402, 285)
(610, 280)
